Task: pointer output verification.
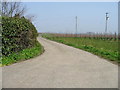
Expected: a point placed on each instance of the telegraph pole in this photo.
(76, 25)
(106, 22)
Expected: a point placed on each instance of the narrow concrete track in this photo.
(61, 66)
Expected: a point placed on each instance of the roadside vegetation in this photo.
(18, 34)
(23, 55)
(107, 49)
(19, 40)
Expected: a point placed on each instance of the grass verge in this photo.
(22, 55)
(103, 48)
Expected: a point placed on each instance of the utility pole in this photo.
(76, 25)
(106, 22)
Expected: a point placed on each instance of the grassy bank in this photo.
(25, 54)
(107, 49)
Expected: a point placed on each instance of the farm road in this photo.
(61, 66)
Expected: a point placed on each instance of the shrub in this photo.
(17, 34)
(22, 55)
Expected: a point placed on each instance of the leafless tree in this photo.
(12, 9)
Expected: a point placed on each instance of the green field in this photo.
(107, 49)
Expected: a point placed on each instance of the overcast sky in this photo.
(59, 17)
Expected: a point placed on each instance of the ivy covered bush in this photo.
(17, 34)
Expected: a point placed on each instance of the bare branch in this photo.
(11, 9)
(31, 17)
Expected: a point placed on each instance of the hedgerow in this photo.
(17, 34)
(22, 55)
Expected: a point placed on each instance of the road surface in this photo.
(61, 66)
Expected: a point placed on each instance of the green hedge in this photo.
(17, 34)
(25, 54)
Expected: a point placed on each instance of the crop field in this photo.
(102, 46)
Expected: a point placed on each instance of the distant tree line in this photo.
(91, 36)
